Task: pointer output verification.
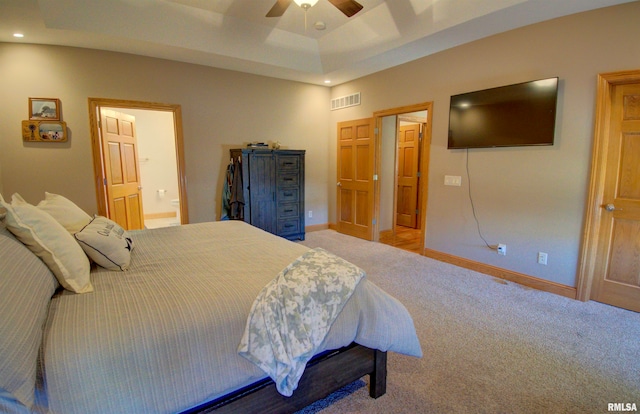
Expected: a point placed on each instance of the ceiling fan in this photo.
(348, 7)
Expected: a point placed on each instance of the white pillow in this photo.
(72, 217)
(45, 237)
(106, 243)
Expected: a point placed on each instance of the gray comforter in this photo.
(163, 336)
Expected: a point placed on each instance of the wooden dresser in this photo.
(273, 182)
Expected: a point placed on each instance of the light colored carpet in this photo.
(490, 346)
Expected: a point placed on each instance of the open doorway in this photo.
(405, 136)
(163, 194)
(157, 164)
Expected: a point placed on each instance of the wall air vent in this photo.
(345, 101)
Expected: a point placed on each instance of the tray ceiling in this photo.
(236, 35)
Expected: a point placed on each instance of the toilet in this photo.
(175, 203)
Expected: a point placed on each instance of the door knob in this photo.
(339, 184)
(610, 207)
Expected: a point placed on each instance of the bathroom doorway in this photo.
(159, 157)
(157, 163)
(403, 168)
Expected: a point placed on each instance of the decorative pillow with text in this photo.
(106, 243)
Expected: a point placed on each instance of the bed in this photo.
(163, 335)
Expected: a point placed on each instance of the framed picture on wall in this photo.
(44, 108)
(44, 131)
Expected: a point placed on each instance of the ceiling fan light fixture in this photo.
(347, 7)
(305, 4)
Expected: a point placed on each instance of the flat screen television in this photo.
(522, 114)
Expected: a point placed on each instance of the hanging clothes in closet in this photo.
(232, 192)
(237, 192)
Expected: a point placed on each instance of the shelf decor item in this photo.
(44, 131)
(44, 109)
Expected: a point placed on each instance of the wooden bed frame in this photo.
(323, 375)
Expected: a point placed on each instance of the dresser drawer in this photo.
(288, 179)
(288, 162)
(288, 227)
(288, 195)
(288, 210)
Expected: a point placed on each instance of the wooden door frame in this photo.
(593, 216)
(423, 185)
(98, 167)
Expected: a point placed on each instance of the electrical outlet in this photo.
(502, 249)
(454, 180)
(542, 258)
(310, 214)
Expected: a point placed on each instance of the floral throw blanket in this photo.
(292, 315)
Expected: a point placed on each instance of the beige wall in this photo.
(531, 199)
(387, 172)
(221, 110)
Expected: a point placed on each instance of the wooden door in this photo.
(618, 265)
(355, 192)
(610, 270)
(408, 162)
(122, 172)
(262, 189)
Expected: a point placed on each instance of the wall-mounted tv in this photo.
(508, 116)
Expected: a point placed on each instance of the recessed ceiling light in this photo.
(327, 81)
(18, 35)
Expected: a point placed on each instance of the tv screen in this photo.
(508, 116)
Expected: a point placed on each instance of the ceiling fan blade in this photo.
(348, 7)
(279, 8)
